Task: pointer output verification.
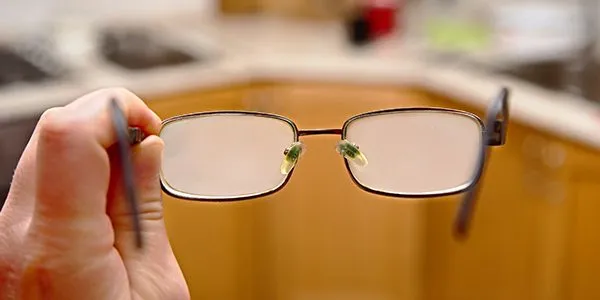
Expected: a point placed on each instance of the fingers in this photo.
(72, 165)
(87, 117)
(156, 258)
(93, 110)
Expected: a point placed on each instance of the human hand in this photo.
(66, 230)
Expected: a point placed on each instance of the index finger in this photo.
(93, 108)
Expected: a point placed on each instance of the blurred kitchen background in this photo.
(536, 233)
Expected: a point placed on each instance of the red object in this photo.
(381, 16)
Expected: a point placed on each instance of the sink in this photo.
(549, 75)
(138, 50)
(555, 76)
(15, 68)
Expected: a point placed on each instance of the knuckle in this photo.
(118, 92)
(122, 95)
(56, 125)
(152, 209)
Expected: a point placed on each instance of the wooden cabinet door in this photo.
(517, 245)
(583, 262)
(210, 240)
(581, 274)
(322, 237)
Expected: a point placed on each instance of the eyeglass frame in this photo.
(342, 132)
(497, 118)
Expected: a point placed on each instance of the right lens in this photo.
(416, 152)
(225, 155)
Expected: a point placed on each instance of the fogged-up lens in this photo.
(225, 155)
(415, 152)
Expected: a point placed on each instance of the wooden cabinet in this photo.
(209, 240)
(304, 9)
(321, 237)
(583, 261)
(534, 236)
(518, 236)
(239, 6)
(230, 98)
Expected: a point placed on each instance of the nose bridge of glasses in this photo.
(349, 150)
(321, 131)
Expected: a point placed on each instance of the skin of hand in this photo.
(66, 231)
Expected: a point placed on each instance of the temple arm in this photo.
(126, 137)
(495, 131)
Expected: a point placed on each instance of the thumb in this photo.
(153, 266)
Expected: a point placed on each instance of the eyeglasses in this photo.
(403, 152)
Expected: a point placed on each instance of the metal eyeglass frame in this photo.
(496, 118)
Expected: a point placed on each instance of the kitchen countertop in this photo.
(253, 48)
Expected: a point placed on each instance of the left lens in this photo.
(225, 156)
(415, 152)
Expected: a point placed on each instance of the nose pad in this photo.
(291, 155)
(351, 152)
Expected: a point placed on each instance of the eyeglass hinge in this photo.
(498, 137)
